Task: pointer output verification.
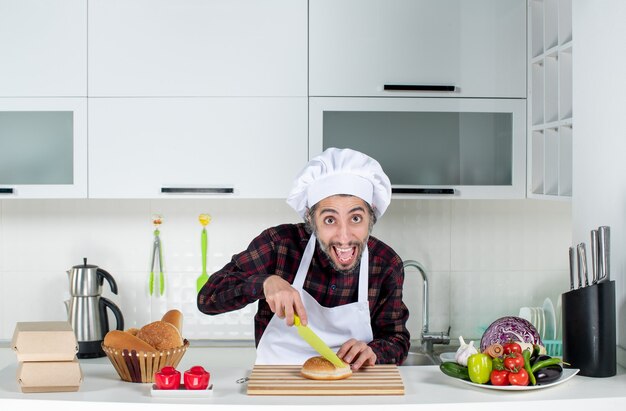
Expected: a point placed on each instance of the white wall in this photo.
(599, 192)
(485, 259)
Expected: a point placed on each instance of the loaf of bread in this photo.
(133, 330)
(123, 340)
(319, 368)
(161, 335)
(175, 318)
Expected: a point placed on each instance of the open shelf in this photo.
(550, 128)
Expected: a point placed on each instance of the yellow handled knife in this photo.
(316, 342)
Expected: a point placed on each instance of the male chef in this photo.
(342, 282)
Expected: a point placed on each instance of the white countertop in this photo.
(425, 388)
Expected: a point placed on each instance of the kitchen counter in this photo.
(425, 388)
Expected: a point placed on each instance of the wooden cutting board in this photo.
(286, 380)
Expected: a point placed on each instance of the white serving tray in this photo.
(181, 392)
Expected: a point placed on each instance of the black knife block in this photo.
(589, 336)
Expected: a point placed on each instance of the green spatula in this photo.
(204, 219)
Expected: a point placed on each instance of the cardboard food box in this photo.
(44, 341)
(49, 376)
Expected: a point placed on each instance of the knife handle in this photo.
(582, 261)
(594, 256)
(572, 264)
(604, 253)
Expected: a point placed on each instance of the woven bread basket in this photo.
(140, 366)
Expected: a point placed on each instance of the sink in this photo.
(420, 358)
(417, 355)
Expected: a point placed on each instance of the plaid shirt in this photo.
(278, 250)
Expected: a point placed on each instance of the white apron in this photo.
(282, 345)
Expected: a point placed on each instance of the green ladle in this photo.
(204, 219)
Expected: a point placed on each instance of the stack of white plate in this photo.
(543, 318)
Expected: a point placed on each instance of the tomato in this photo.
(511, 347)
(196, 378)
(499, 377)
(168, 378)
(514, 362)
(518, 378)
(479, 367)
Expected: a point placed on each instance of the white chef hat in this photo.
(341, 171)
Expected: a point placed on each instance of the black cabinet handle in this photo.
(404, 190)
(6, 190)
(418, 87)
(197, 190)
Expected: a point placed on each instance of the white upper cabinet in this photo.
(43, 147)
(43, 48)
(197, 48)
(202, 147)
(478, 47)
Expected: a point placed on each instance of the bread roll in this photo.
(175, 318)
(161, 335)
(319, 368)
(133, 330)
(124, 340)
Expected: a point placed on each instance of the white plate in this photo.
(568, 373)
(181, 392)
(540, 324)
(447, 356)
(548, 309)
(526, 313)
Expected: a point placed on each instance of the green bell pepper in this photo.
(479, 367)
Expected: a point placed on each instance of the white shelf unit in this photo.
(550, 123)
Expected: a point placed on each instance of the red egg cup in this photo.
(196, 378)
(168, 378)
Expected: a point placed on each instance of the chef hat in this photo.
(341, 171)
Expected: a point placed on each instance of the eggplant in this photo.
(548, 374)
(535, 360)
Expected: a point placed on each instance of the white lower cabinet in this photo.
(201, 147)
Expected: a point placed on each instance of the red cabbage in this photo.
(510, 328)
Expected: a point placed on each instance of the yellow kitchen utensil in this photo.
(316, 342)
(204, 219)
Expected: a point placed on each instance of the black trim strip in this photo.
(197, 190)
(417, 87)
(402, 190)
(6, 190)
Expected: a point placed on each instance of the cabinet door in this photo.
(197, 48)
(43, 148)
(43, 44)
(357, 47)
(174, 147)
(430, 147)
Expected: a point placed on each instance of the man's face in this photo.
(342, 226)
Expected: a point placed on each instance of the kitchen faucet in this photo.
(428, 338)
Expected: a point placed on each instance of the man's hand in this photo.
(283, 299)
(357, 354)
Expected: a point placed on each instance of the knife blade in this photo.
(594, 256)
(572, 264)
(604, 253)
(582, 265)
(317, 343)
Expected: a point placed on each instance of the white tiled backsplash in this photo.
(484, 259)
